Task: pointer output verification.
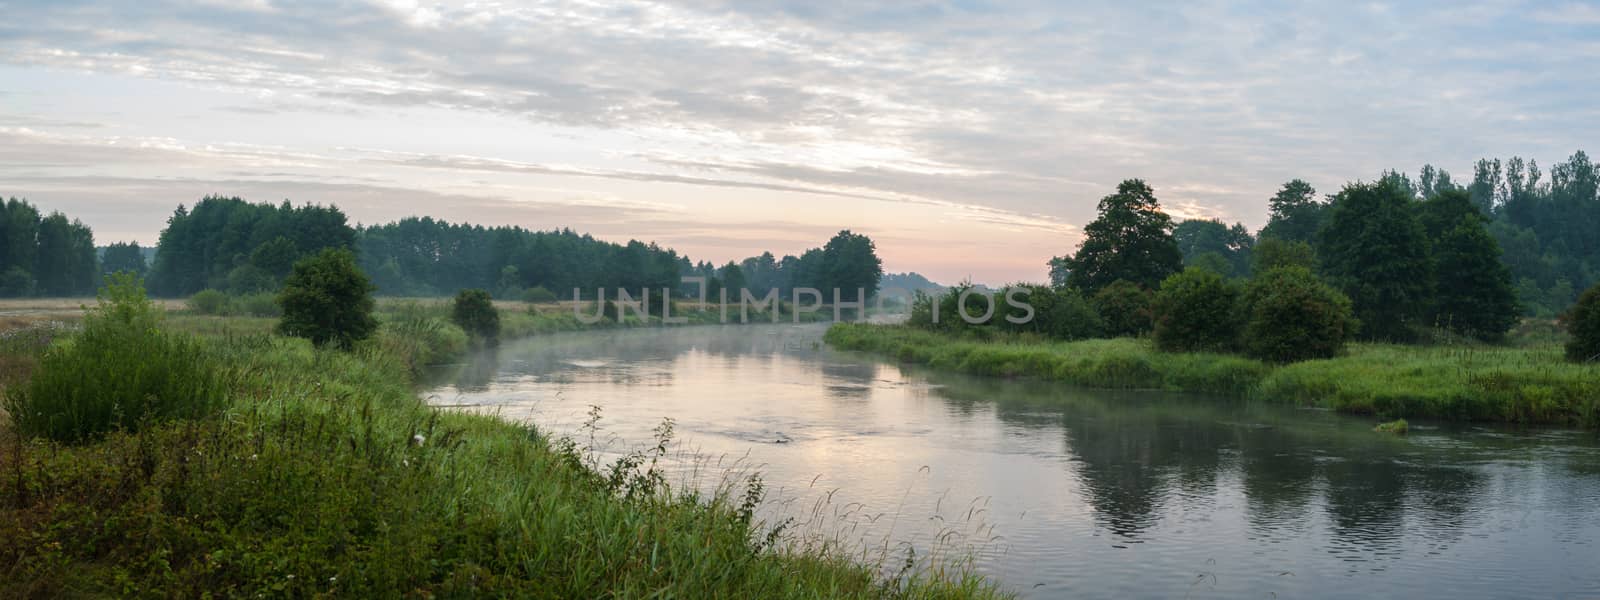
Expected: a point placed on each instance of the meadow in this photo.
(1526, 383)
(319, 473)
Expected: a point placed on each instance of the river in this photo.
(1064, 492)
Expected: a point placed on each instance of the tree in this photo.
(1290, 316)
(1124, 307)
(1294, 214)
(328, 300)
(123, 257)
(1059, 313)
(1198, 238)
(733, 280)
(1195, 310)
(1583, 323)
(1373, 248)
(1473, 295)
(1130, 240)
(66, 263)
(1272, 253)
(474, 312)
(849, 262)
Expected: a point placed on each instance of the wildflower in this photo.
(417, 440)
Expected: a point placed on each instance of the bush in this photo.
(1290, 316)
(1061, 314)
(539, 295)
(209, 302)
(258, 305)
(120, 372)
(328, 300)
(474, 312)
(1124, 307)
(1196, 311)
(1583, 322)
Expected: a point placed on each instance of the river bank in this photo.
(325, 475)
(1479, 383)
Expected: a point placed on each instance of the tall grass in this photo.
(1463, 382)
(327, 477)
(118, 372)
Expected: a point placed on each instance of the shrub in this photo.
(209, 302)
(1124, 307)
(539, 295)
(258, 305)
(474, 312)
(118, 373)
(1195, 311)
(1061, 314)
(328, 300)
(1290, 316)
(1583, 322)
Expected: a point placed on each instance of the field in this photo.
(324, 475)
(1522, 384)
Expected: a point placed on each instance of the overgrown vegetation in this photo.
(120, 372)
(327, 300)
(327, 477)
(474, 312)
(1474, 382)
(1583, 323)
(1291, 316)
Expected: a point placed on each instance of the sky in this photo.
(969, 138)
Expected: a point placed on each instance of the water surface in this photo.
(1065, 492)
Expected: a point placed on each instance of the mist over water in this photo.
(1064, 492)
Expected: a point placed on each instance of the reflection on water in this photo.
(1069, 492)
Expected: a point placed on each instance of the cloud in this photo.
(1013, 115)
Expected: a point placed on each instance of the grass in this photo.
(324, 475)
(1528, 384)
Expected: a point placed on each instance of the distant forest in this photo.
(1546, 227)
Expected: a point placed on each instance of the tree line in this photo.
(47, 256)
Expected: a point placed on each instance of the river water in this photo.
(1064, 492)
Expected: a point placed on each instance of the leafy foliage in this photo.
(1292, 316)
(1131, 240)
(1294, 213)
(328, 300)
(49, 256)
(539, 295)
(1124, 307)
(1374, 249)
(474, 312)
(227, 243)
(849, 263)
(1207, 242)
(1272, 253)
(123, 257)
(1473, 294)
(1059, 313)
(1583, 323)
(119, 372)
(1195, 311)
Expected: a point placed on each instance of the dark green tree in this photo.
(734, 280)
(1473, 295)
(1294, 213)
(328, 300)
(475, 313)
(66, 263)
(1198, 238)
(1373, 248)
(850, 262)
(1124, 307)
(1196, 310)
(1130, 240)
(123, 257)
(1290, 316)
(1272, 253)
(1583, 323)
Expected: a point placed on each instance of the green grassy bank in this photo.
(324, 476)
(1527, 385)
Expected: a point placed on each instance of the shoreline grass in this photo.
(1471, 383)
(325, 475)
